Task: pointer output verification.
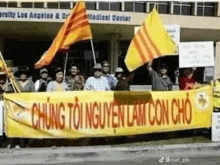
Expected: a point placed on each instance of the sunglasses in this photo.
(95, 70)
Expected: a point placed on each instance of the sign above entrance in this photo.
(58, 15)
(196, 54)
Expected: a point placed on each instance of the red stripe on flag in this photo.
(77, 23)
(145, 45)
(72, 19)
(77, 27)
(139, 50)
(151, 42)
(82, 10)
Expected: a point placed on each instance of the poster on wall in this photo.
(196, 54)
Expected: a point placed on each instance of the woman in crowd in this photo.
(24, 82)
(75, 81)
(187, 81)
(58, 84)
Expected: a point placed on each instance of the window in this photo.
(129, 6)
(206, 9)
(64, 5)
(3, 4)
(115, 6)
(74, 3)
(140, 7)
(38, 5)
(52, 5)
(103, 5)
(91, 5)
(27, 4)
(12, 4)
(162, 7)
(182, 8)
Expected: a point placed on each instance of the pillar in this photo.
(113, 51)
(218, 9)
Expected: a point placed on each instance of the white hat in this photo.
(119, 69)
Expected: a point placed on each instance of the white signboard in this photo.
(173, 30)
(216, 126)
(196, 54)
(1, 117)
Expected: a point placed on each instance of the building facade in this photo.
(28, 28)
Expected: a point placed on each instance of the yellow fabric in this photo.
(96, 114)
(151, 41)
(75, 29)
(1, 64)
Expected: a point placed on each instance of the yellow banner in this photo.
(95, 114)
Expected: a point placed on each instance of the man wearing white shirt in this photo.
(97, 82)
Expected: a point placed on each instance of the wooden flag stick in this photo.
(65, 64)
(93, 52)
(14, 86)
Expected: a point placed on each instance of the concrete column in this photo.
(217, 61)
(147, 7)
(123, 6)
(97, 5)
(171, 7)
(195, 9)
(19, 4)
(45, 5)
(218, 9)
(113, 51)
(71, 5)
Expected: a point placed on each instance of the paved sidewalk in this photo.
(113, 154)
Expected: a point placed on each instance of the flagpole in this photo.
(93, 52)
(64, 78)
(10, 78)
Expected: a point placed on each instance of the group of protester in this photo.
(101, 81)
(161, 81)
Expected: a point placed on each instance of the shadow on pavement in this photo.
(177, 137)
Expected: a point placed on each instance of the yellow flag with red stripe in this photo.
(151, 41)
(75, 29)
